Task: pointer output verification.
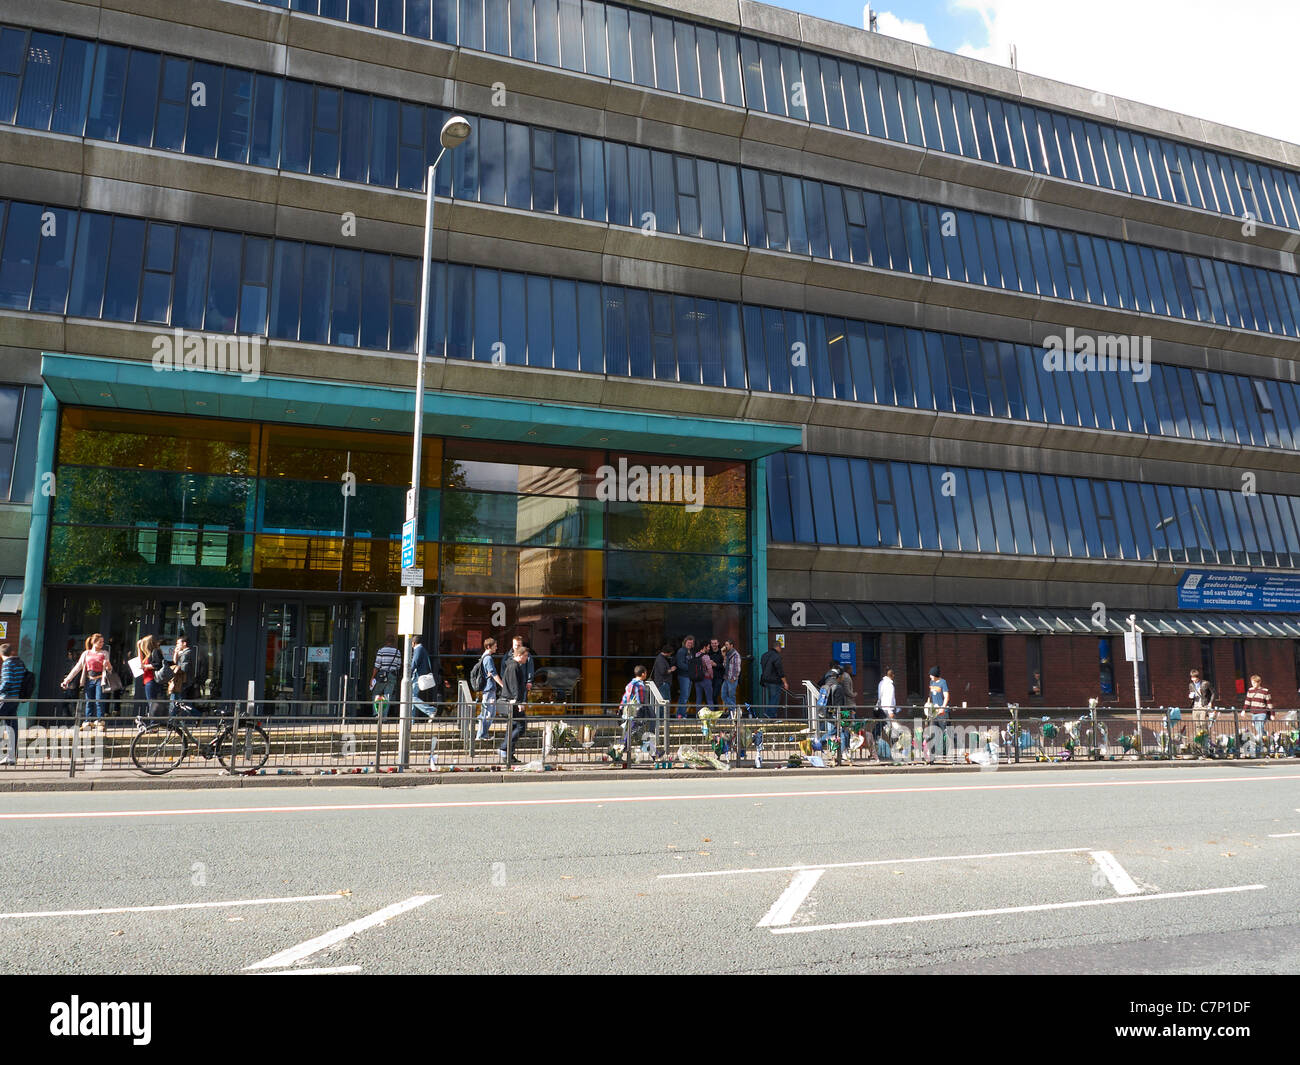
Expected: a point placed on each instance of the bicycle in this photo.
(158, 748)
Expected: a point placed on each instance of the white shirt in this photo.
(885, 694)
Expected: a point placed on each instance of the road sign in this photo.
(408, 543)
(410, 503)
(413, 577)
(1133, 647)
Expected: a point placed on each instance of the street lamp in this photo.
(454, 133)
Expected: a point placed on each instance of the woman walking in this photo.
(90, 669)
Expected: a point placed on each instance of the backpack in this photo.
(631, 699)
(697, 669)
(824, 695)
(28, 685)
(477, 677)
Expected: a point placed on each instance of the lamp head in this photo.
(454, 131)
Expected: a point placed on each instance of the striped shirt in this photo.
(388, 659)
(1259, 700)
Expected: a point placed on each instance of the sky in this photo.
(1229, 62)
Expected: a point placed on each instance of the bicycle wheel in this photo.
(253, 747)
(158, 749)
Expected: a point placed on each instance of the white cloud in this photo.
(892, 26)
(1227, 63)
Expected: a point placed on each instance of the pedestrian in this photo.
(730, 673)
(661, 673)
(771, 675)
(424, 691)
(886, 707)
(491, 687)
(682, 665)
(181, 685)
(72, 693)
(515, 645)
(635, 699)
(384, 675)
(938, 713)
(89, 671)
(151, 665)
(12, 674)
(1259, 704)
(715, 653)
(514, 689)
(702, 675)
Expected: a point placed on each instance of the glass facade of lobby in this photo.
(278, 548)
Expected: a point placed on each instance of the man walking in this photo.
(938, 713)
(886, 706)
(491, 688)
(730, 673)
(12, 674)
(771, 675)
(514, 689)
(1259, 704)
(661, 674)
(682, 668)
(383, 677)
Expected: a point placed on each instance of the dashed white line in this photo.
(337, 935)
(784, 909)
(874, 861)
(1283, 835)
(315, 972)
(336, 897)
(879, 922)
(1119, 879)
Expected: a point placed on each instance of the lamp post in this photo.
(454, 132)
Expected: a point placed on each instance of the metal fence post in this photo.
(379, 739)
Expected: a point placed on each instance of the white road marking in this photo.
(708, 796)
(336, 897)
(875, 861)
(1014, 909)
(1283, 835)
(337, 935)
(784, 909)
(1119, 879)
(315, 972)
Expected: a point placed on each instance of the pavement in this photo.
(14, 779)
(1121, 868)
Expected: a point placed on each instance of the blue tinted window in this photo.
(286, 289)
(54, 267)
(383, 146)
(564, 309)
(22, 238)
(204, 110)
(780, 528)
(191, 290)
(223, 291)
(236, 116)
(125, 257)
(106, 91)
(140, 98)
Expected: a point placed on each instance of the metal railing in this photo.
(453, 737)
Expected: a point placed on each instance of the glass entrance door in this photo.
(306, 655)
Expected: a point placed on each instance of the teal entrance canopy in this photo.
(132, 385)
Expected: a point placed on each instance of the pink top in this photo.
(95, 661)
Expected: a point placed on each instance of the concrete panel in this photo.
(21, 365)
(345, 72)
(80, 17)
(856, 42)
(26, 332)
(342, 39)
(770, 21)
(946, 66)
(40, 186)
(775, 129)
(647, 133)
(243, 36)
(564, 87)
(632, 100)
(645, 273)
(248, 191)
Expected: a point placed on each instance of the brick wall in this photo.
(1071, 667)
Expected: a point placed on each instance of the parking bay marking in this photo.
(882, 921)
(292, 955)
(1119, 879)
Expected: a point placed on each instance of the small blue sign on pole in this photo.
(845, 652)
(408, 544)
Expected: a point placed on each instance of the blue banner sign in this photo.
(1201, 589)
(846, 654)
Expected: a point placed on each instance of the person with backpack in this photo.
(635, 702)
(682, 665)
(384, 675)
(831, 705)
(771, 675)
(484, 680)
(14, 688)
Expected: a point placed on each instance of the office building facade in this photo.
(742, 324)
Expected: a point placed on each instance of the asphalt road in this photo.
(1190, 869)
